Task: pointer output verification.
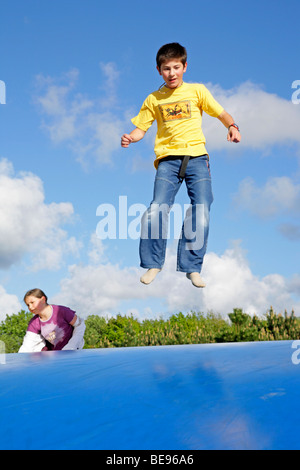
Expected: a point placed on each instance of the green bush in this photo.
(13, 329)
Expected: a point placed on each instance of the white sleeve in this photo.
(76, 341)
(32, 342)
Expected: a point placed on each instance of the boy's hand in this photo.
(134, 136)
(233, 135)
(126, 140)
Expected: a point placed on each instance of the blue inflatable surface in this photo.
(215, 396)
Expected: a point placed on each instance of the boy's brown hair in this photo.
(174, 50)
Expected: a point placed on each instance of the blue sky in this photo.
(75, 73)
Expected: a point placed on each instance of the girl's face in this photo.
(172, 72)
(35, 305)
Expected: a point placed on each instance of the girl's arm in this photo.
(32, 342)
(77, 341)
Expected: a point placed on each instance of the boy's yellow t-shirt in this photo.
(178, 113)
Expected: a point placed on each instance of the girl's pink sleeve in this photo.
(34, 325)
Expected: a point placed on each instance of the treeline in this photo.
(192, 328)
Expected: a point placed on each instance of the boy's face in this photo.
(172, 72)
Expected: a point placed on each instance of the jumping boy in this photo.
(181, 155)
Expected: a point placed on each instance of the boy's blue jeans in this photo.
(154, 230)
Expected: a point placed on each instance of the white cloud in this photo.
(28, 225)
(54, 101)
(98, 289)
(111, 74)
(265, 119)
(91, 128)
(294, 284)
(231, 283)
(102, 289)
(279, 195)
(96, 252)
(9, 304)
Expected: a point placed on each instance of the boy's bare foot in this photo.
(150, 275)
(196, 279)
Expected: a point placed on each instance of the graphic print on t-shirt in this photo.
(52, 333)
(176, 110)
